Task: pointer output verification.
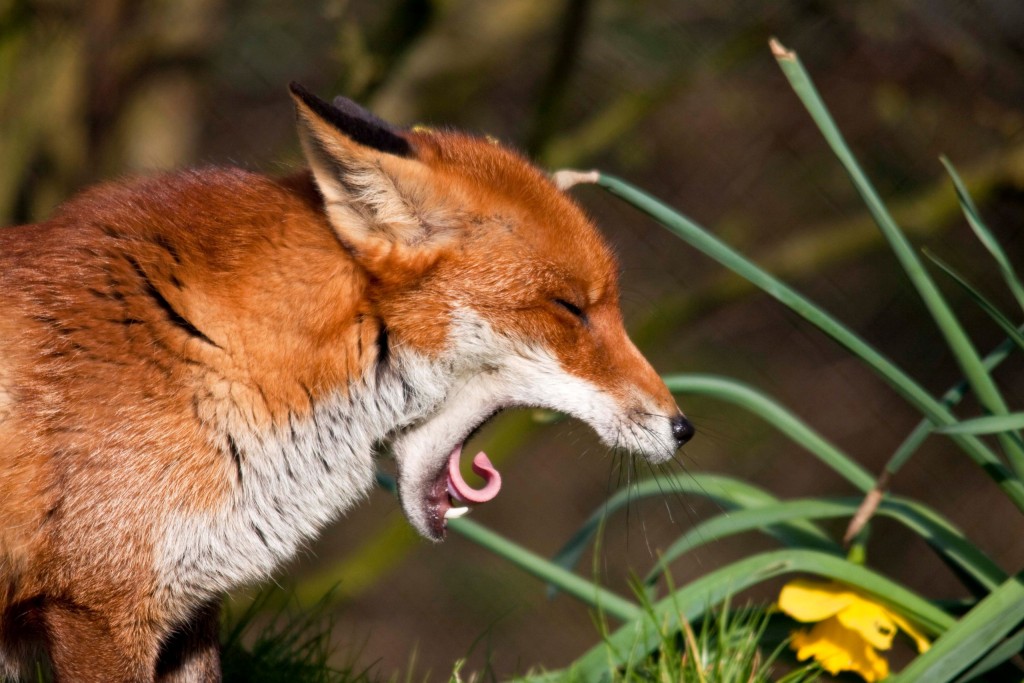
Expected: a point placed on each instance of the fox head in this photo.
(495, 279)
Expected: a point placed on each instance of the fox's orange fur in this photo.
(195, 370)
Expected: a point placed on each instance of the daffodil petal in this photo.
(817, 645)
(920, 640)
(872, 621)
(809, 601)
(872, 662)
(837, 648)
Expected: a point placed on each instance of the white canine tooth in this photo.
(455, 513)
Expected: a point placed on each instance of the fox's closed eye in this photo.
(572, 308)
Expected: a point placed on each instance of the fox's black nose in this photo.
(682, 430)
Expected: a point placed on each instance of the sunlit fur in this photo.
(196, 370)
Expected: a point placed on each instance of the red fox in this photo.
(197, 370)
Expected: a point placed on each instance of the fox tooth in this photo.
(455, 513)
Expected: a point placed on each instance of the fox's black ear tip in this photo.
(345, 104)
(354, 121)
(299, 90)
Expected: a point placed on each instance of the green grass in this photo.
(725, 646)
(287, 644)
(284, 644)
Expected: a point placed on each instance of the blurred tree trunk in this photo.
(94, 89)
(555, 89)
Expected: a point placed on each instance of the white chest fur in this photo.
(292, 481)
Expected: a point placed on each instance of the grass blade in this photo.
(971, 637)
(993, 424)
(547, 571)
(777, 416)
(917, 437)
(985, 236)
(952, 397)
(532, 563)
(941, 536)
(725, 491)
(983, 302)
(956, 338)
(1009, 648)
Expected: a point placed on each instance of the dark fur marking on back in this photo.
(165, 244)
(111, 294)
(173, 316)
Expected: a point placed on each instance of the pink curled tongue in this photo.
(462, 491)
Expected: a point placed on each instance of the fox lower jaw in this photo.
(515, 375)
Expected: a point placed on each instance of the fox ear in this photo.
(379, 196)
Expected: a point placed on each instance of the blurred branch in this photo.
(14, 17)
(384, 50)
(555, 89)
(624, 114)
(104, 23)
(819, 248)
(116, 68)
(75, 82)
(607, 126)
(458, 57)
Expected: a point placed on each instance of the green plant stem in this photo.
(960, 344)
(998, 317)
(586, 591)
(726, 492)
(939, 533)
(774, 414)
(546, 570)
(925, 214)
(973, 216)
(917, 437)
(904, 385)
(952, 397)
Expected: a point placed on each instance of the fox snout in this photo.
(682, 429)
(648, 423)
(654, 436)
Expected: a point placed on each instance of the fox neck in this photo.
(297, 421)
(294, 478)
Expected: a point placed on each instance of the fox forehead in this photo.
(538, 219)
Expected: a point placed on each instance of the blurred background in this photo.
(680, 98)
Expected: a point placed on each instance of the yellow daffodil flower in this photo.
(849, 628)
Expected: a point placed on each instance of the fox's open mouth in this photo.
(450, 496)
